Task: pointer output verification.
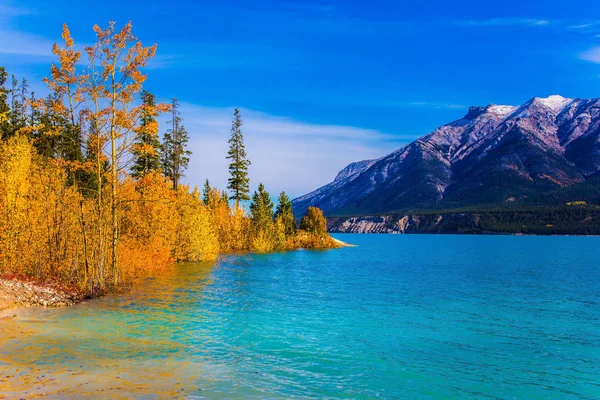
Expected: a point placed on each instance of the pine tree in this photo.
(261, 208)
(45, 141)
(15, 107)
(285, 214)
(4, 107)
(23, 91)
(34, 113)
(224, 198)
(146, 148)
(175, 155)
(206, 191)
(239, 183)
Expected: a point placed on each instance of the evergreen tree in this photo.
(71, 142)
(224, 198)
(206, 192)
(15, 107)
(44, 140)
(175, 157)
(285, 214)
(261, 208)
(34, 113)
(23, 91)
(4, 107)
(239, 183)
(146, 148)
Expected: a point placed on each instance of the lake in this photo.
(397, 316)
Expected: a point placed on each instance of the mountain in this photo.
(494, 155)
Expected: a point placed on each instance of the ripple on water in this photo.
(396, 317)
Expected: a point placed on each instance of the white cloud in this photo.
(8, 10)
(591, 55)
(580, 26)
(286, 154)
(24, 44)
(506, 22)
(16, 42)
(435, 105)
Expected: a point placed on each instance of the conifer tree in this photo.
(23, 92)
(261, 208)
(224, 198)
(238, 183)
(44, 140)
(206, 192)
(4, 107)
(34, 113)
(175, 155)
(15, 106)
(146, 148)
(285, 214)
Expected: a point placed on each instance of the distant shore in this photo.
(572, 221)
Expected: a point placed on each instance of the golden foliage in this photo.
(119, 230)
(49, 231)
(314, 221)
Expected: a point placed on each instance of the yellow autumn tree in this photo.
(15, 163)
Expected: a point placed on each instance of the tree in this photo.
(105, 95)
(4, 107)
(122, 56)
(314, 221)
(262, 227)
(238, 183)
(16, 108)
(224, 199)
(285, 214)
(23, 92)
(206, 192)
(146, 147)
(175, 155)
(261, 208)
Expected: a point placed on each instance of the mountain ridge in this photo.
(494, 154)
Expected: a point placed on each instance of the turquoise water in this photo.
(413, 316)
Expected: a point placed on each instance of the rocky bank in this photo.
(15, 293)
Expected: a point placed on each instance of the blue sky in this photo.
(324, 83)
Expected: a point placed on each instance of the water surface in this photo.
(408, 316)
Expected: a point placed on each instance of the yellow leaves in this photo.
(66, 35)
(198, 237)
(162, 108)
(52, 229)
(42, 222)
(15, 161)
(37, 224)
(144, 148)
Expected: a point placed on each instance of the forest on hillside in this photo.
(90, 184)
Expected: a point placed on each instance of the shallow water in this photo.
(423, 316)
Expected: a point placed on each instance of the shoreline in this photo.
(18, 294)
(15, 293)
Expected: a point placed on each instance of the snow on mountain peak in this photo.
(555, 102)
(501, 109)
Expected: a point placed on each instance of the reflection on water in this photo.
(119, 345)
(396, 317)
